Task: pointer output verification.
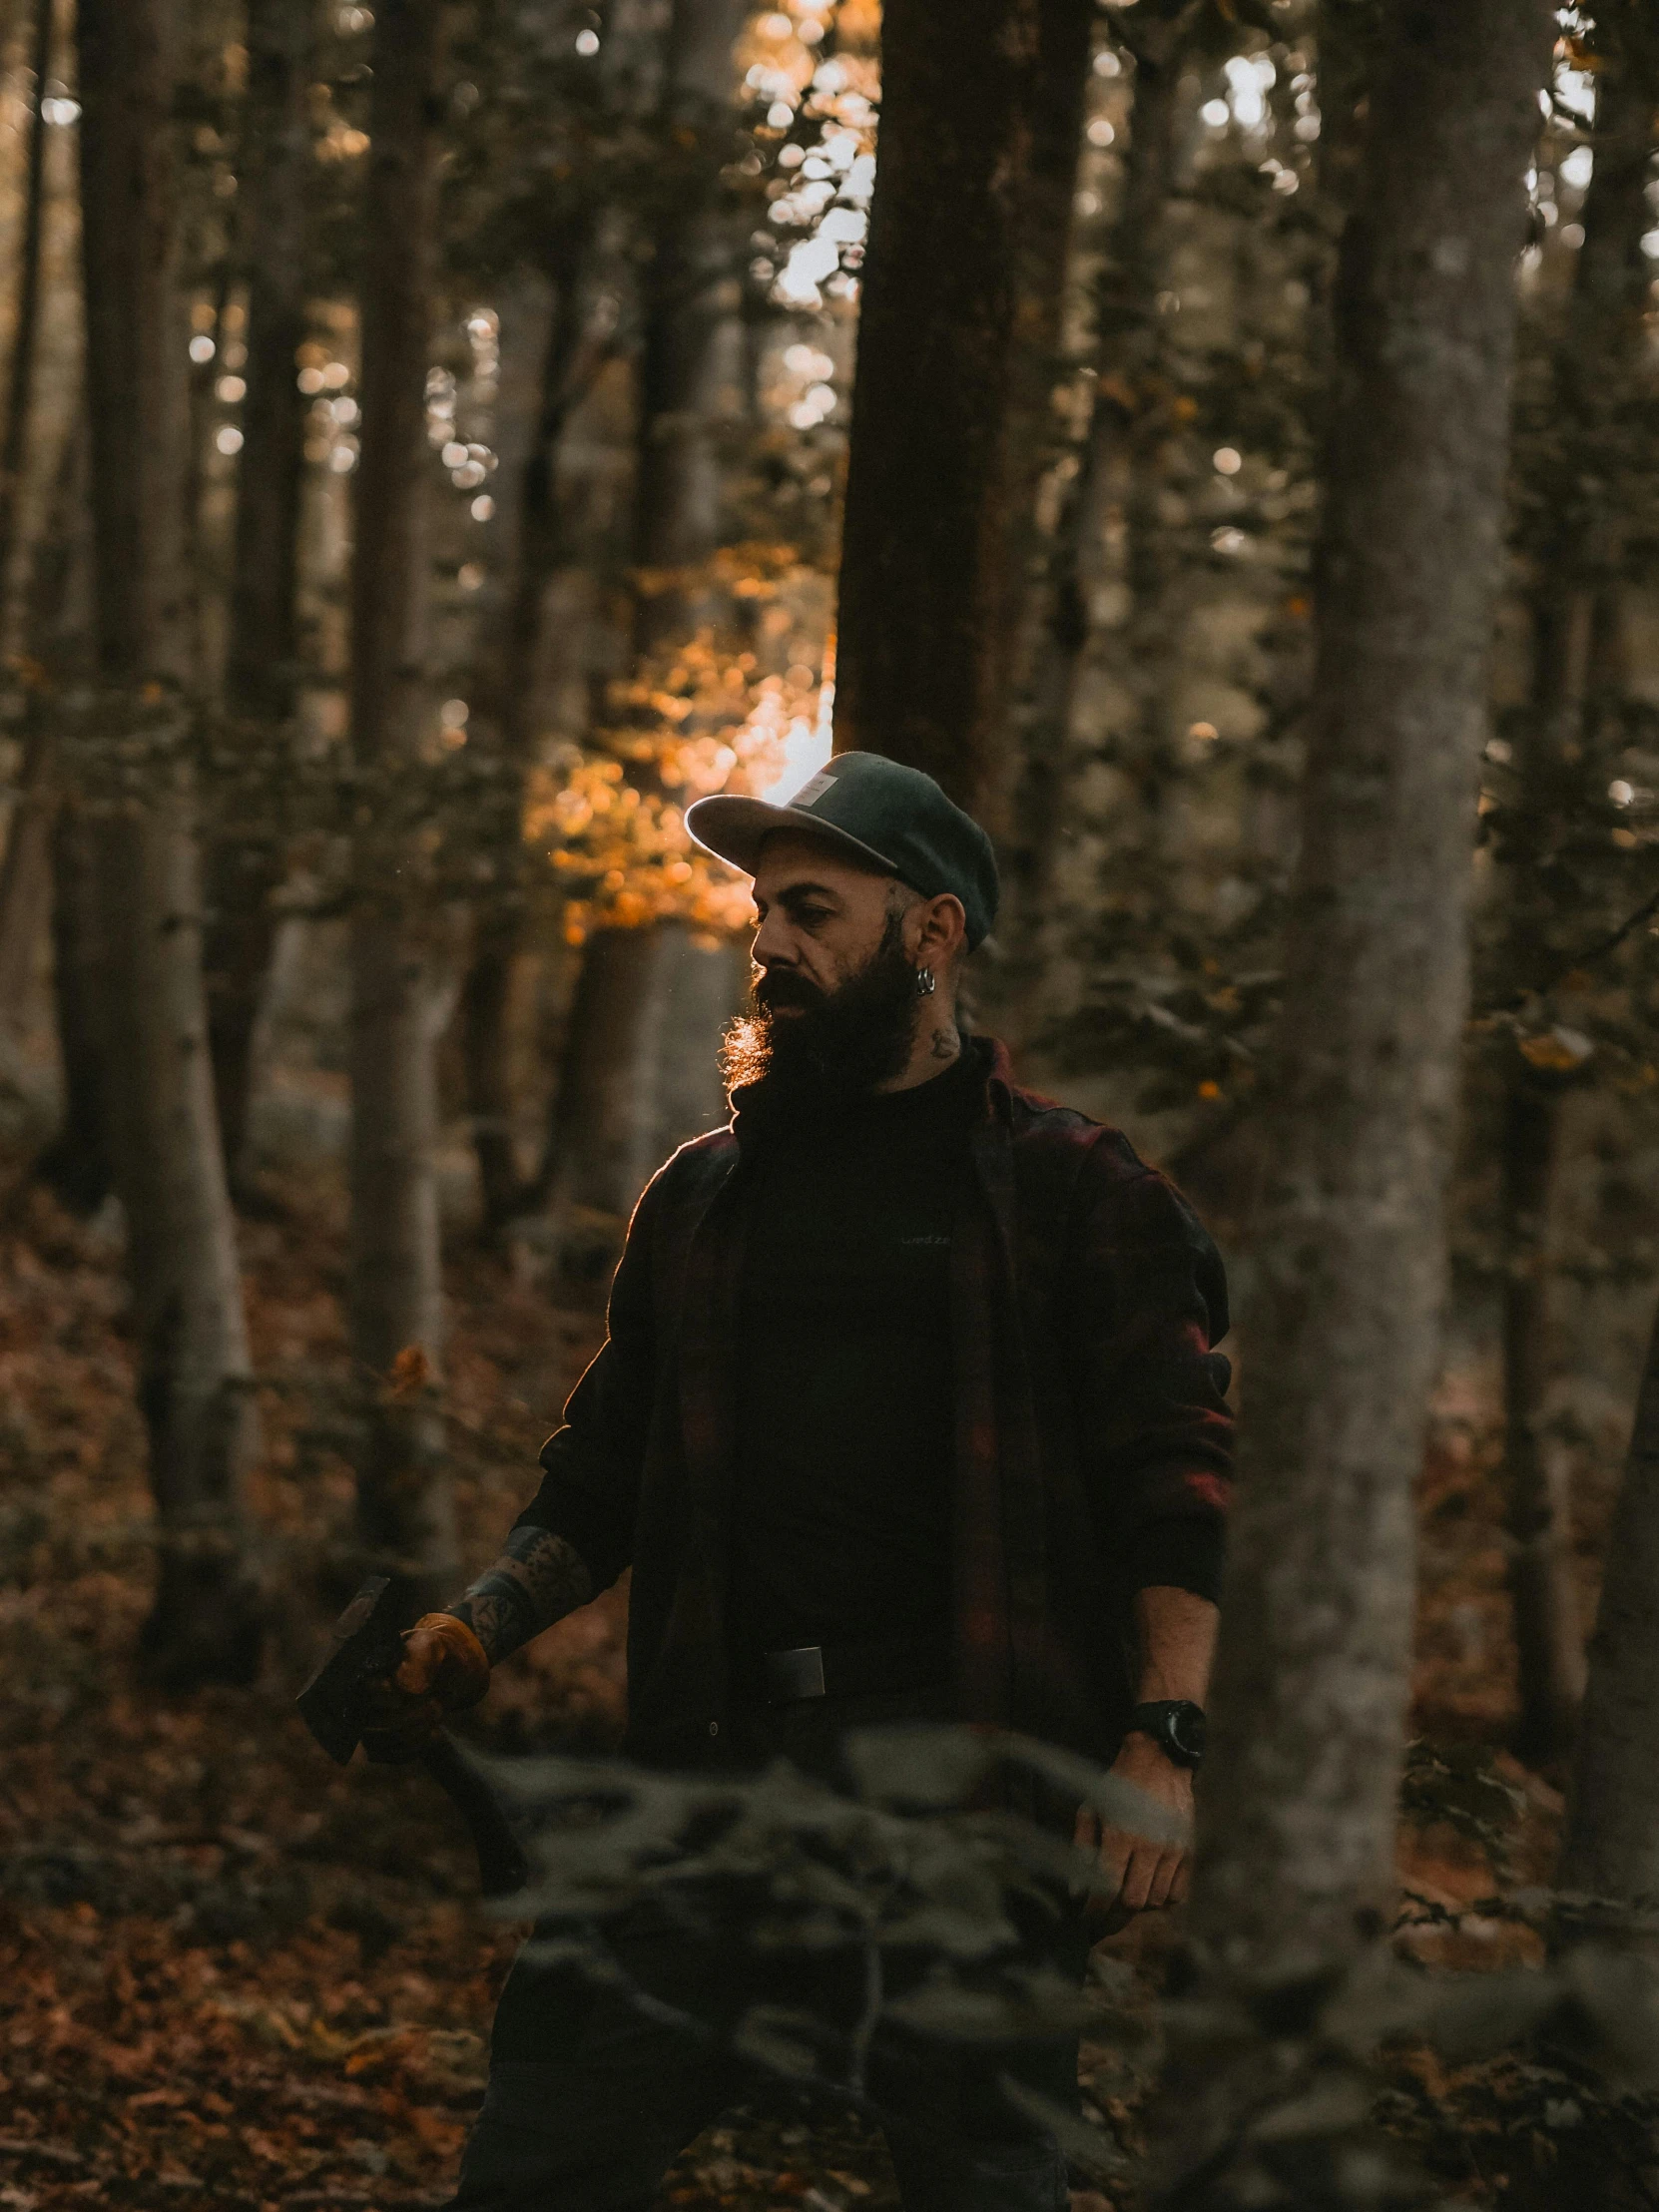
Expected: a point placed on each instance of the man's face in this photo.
(821, 922)
(835, 993)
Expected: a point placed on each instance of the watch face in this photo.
(1186, 1732)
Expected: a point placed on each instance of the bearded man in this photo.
(907, 1410)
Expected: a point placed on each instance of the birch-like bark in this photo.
(244, 871)
(1299, 1809)
(404, 1509)
(193, 1380)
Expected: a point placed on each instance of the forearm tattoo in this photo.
(537, 1580)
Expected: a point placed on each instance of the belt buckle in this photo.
(794, 1674)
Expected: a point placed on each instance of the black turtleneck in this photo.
(843, 1508)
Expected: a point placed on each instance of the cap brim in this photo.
(735, 830)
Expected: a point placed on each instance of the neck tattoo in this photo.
(946, 1044)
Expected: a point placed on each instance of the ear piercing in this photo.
(926, 983)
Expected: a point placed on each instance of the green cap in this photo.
(874, 811)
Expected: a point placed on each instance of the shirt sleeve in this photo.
(593, 1465)
(1150, 1304)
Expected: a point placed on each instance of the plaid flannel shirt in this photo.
(1093, 1438)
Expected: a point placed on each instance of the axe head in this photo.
(336, 1703)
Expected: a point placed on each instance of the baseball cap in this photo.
(874, 810)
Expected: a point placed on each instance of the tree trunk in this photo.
(1611, 1850)
(405, 1513)
(20, 385)
(960, 297)
(244, 867)
(690, 355)
(1577, 690)
(1538, 1514)
(26, 874)
(505, 700)
(690, 387)
(195, 1383)
(639, 1077)
(1128, 350)
(1298, 1815)
(74, 1164)
(57, 616)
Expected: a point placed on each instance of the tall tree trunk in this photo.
(638, 1068)
(1577, 685)
(244, 869)
(74, 1164)
(960, 296)
(1128, 348)
(691, 355)
(505, 696)
(25, 872)
(1537, 1516)
(1611, 1850)
(195, 1383)
(1298, 1813)
(690, 387)
(20, 385)
(405, 1513)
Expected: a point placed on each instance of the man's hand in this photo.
(1177, 1635)
(1136, 1875)
(447, 1656)
(444, 1669)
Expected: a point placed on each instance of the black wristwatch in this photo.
(1176, 1725)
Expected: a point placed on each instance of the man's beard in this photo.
(842, 1045)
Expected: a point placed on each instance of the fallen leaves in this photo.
(233, 1978)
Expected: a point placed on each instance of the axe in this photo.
(339, 1704)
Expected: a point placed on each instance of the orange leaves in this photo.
(1557, 1051)
(412, 1373)
(699, 717)
(1577, 55)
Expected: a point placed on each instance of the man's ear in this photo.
(941, 938)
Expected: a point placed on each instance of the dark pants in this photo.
(591, 2097)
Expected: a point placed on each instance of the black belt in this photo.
(845, 1670)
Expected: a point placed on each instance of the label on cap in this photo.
(813, 789)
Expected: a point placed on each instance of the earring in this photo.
(925, 982)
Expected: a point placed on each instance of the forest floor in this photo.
(234, 1978)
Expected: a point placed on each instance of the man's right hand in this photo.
(443, 1670)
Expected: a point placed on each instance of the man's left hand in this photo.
(1136, 1875)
